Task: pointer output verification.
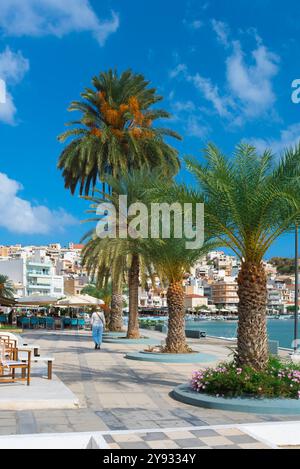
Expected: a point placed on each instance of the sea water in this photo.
(281, 330)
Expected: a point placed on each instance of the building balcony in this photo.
(38, 273)
(38, 286)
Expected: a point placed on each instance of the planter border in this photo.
(171, 357)
(123, 340)
(113, 335)
(276, 406)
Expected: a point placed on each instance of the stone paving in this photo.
(187, 438)
(118, 394)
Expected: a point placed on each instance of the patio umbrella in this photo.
(79, 300)
(36, 300)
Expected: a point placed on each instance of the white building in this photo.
(33, 275)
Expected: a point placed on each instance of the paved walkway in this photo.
(118, 394)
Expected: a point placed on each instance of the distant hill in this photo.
(284, 265)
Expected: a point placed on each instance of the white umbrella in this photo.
(79, 300)
(36, 300)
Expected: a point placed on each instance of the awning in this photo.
(36, 300)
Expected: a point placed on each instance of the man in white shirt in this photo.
(98, 325)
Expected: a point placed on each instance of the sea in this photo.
(281, 330)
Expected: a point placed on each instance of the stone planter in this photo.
(280, 406)
(170, 357)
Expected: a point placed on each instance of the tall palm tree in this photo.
(136, 186)
(6, 287)
(116, 133)
(172, 260)
(250, 200)
(106, 258)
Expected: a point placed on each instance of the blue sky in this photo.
(224, 68)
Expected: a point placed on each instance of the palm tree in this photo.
(172, 260)
(6, 287)
(115, 134)
(250, 200)
(127, 252)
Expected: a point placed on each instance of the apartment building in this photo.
(73, 285)
(224, 293)
(33, 275)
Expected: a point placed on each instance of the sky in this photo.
(225, 70)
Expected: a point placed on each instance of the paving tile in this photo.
(127, 437)
(242, 439)
(203, 433)
(156, 436)
(114, 446)
(108, 438)
(163, 444)
(134, 445)
(216, 441)
(230, 431)
(179, 435)
(227, 447)
(188, 442)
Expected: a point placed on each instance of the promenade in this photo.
(120, 395)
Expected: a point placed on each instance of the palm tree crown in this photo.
(249, 200)
(116, 132)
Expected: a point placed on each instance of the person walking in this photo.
(98, 325)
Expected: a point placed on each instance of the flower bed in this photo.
(227, 380)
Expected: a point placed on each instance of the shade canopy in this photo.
(36, 300)
(80, 300)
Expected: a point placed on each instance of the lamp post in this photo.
(296, 290)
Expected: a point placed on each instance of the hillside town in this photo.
(210, 288)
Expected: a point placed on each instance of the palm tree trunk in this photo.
(107, 315)
(176, 341)
(133, 323)
(116, 314)
(252, 346)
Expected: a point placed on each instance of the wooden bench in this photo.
(11, 363)
(48, 360)
(35, 348)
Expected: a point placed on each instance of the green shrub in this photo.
(227, 380)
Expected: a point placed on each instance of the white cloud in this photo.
(288, 138)
(222, 31)
(194, 24)
(54, 17)
(252, 84)
(247, 92)
(186, 113)
(21, 216)
(211, 93)
(8, 110)
(13, 67)
(179, 69)
(184, 106)
(196, 128)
